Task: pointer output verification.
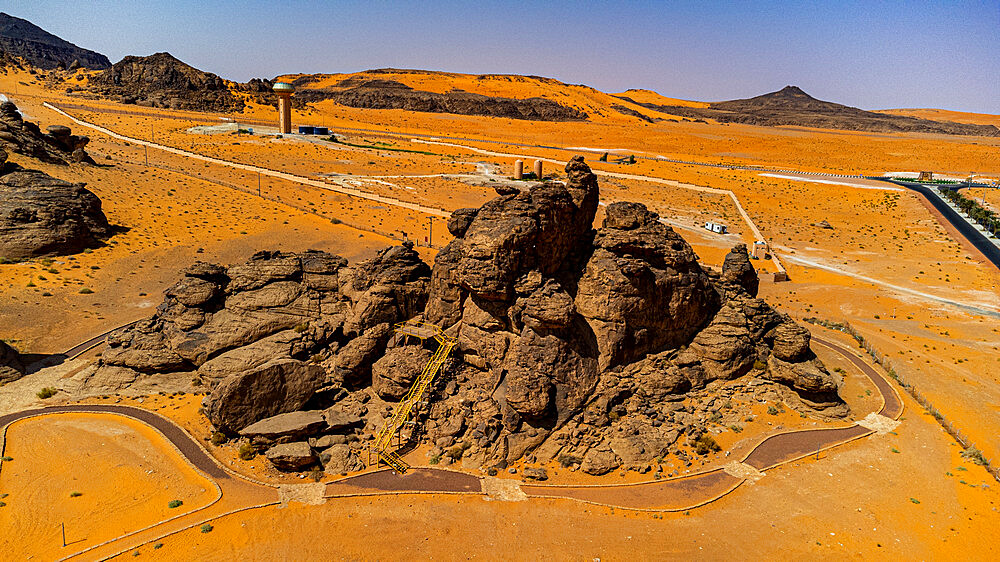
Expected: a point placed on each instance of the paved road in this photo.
(973, 235)
(672, 494)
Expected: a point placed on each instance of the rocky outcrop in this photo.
(42, 216)
(388, 94)
(41, 49)
(57, 146)
(267, 334)
(11, 367)
(160, 80)
(594, 347)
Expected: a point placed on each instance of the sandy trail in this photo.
(977, 307)
(263, 171)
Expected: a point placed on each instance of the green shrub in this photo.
(47, 392)
(434, 459)
(86, 291)
(773, 411)
(6, 459)
(247, 451)
(759, 365)
(158, 546)
(206, 528)
(218, 438)
(706, 444)
(175, 503)
(75, 494)
(975, 455)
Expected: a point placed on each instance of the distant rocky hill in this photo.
(791, 106)
(41, 49)
(596, 347)
(389, 94)
(160, 80)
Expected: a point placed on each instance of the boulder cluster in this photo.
(41, 215)
(572, 342)
(57, 146)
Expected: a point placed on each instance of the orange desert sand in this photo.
(887, 266)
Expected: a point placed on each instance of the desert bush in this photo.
(759, 365)
(75, 494)
(975, 455)
(47, 392)
(247, 451)
(218, 438)
(86, 291)
(206, 528)
(772, 410)
(175, 503)
(706, 444)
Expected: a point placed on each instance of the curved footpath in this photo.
(237, 493)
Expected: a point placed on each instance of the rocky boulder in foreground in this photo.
(576, 344)
(11, 367)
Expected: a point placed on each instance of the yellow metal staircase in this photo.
(379, 449)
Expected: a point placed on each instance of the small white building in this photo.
(716, 227)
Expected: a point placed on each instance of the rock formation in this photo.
(57, 146)
(39, 48)
(160, 80)
(39, 214)
(573, 343)
(11, 367)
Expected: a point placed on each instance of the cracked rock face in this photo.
(572, 343)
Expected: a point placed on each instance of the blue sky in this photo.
(867, 54)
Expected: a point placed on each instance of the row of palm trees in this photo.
(985, 217)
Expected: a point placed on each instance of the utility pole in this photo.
(258, 184)
(145, 151)
(430, 232)
(63, 525)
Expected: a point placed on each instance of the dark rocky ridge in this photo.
(388, 94)
(790, 106)
(41, 215)
(41, 49)
(572, 343)
(160, 80)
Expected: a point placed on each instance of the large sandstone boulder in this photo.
(737, 270)
(43, 216)
(279, 386)
(287, 425)
(291, 456)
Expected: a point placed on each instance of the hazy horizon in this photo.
(889, 55)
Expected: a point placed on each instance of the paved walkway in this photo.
(675, 494)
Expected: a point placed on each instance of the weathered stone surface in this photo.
(291, 456)
(460, 220)
(41, 216)
(338, 420)
(642, 289)
(338, 459)
(536, 473)
(276, 387)
(791, 342)
(300, 423)
(11, 367)
(737, 270)
(599, 461)
(393, 374)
